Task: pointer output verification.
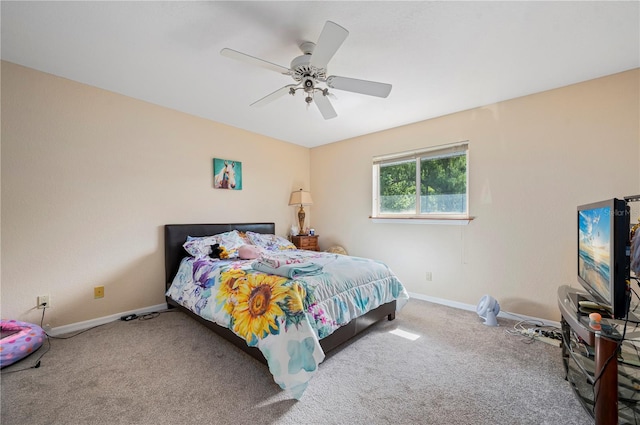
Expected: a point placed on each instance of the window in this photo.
(427, 183)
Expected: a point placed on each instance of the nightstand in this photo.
(309, 243)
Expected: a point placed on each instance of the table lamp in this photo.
(299, 197)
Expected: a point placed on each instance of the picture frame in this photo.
(227, 174)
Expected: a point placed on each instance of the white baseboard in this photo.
(469, 307)
(80, 326)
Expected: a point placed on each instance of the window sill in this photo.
(455, 221)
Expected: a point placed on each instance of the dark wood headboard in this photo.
(175, 236)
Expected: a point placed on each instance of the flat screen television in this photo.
(603, 254)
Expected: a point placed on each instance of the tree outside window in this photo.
(422, 183)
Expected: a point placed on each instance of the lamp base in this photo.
(301, 216)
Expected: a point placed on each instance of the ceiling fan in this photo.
(310, 69)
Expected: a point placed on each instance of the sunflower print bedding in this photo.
(285, 318)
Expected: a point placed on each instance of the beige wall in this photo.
(89, 178)
(532, 160)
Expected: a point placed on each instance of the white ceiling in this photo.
(441, 57)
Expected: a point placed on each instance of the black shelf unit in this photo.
(579, 358)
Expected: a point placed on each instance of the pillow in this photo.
(270, 242)
(249, 252)
(201, 246)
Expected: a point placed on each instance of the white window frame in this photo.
(417, 155)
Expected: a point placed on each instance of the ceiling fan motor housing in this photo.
(301, 69)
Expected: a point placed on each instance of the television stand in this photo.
(614, 397)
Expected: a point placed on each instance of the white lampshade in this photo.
(299, 197)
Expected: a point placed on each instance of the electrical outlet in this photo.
(98, 292)
(44, 301)
(428, 276)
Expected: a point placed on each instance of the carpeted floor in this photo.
(173, 370)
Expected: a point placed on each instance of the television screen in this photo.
(603, 262)
(594, 246)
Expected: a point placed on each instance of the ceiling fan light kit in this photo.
(310, 69)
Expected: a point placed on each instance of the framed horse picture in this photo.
(227, 174)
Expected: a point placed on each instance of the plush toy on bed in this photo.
(218, 251)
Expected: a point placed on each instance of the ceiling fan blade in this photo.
(325, 107)
(234, 54)
(370, 88)
(273, 96)
(331, 38)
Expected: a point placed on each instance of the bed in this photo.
(295, 339)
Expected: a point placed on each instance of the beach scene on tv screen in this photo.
(594, 239)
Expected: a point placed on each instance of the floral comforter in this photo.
(286, 318)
